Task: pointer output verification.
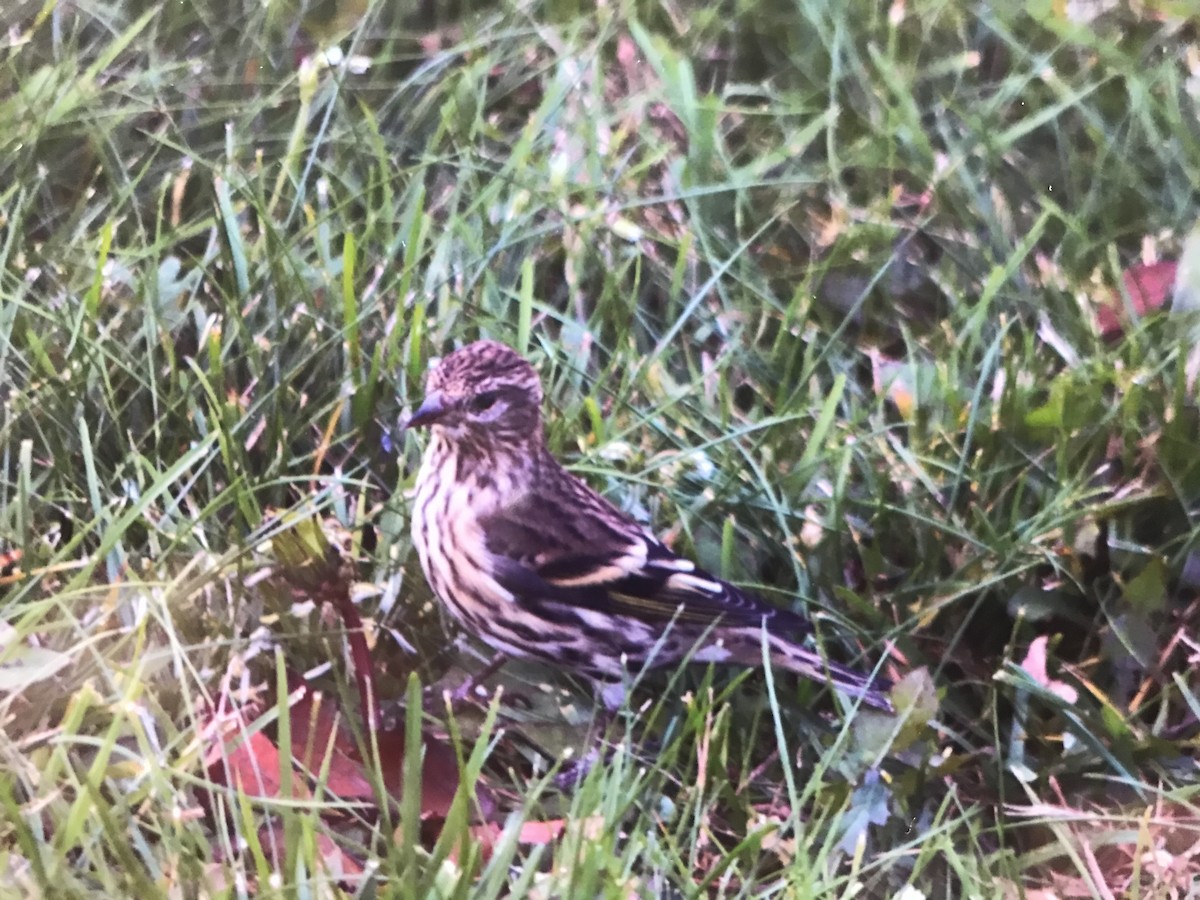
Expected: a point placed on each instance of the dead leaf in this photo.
(1034, 665)
(248, 761)
(1148, 286)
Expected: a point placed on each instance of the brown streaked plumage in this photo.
(536, 564)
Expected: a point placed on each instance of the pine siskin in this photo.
(536, 564)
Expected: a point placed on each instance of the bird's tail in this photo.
(791, 656)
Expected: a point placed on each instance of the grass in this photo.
(814, 290)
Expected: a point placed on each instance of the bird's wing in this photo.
(571, 547)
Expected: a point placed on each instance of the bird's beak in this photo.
(432, 408)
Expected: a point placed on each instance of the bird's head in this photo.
(484, 394)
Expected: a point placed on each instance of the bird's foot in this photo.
(573, 771)
(467, 689)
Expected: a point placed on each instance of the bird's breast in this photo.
(450, 542)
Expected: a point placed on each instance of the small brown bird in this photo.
(536, 564)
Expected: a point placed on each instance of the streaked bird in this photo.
(535, 563)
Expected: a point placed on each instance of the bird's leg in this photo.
(467, 688)
(573, 771)
(611, 695)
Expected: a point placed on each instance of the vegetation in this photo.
(843, 299)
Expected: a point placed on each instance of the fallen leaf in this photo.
(1148, 287)
(1034, 665)
(248, 761)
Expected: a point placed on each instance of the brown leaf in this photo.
(317, 731)
(318, 728)
(250, 763)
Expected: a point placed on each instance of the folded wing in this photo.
(605, 563)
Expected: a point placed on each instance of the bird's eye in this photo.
(483, 402)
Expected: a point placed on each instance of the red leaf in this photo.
(249, 763)
(319, 731)
(316, 725)
(1149, 288)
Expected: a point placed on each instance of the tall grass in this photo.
(814, 291)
